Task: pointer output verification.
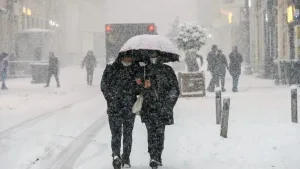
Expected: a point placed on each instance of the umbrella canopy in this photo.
(142, 46)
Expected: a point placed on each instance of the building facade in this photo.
(18, 15)
(272, 29)
(79, 24)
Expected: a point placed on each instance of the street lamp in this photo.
(230, 17)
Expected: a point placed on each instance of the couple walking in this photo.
(121, 83)
(217, 65)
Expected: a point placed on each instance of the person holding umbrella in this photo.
(160, 93)
(120, 90)
(158, 88)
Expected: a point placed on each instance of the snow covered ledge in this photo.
(294, 87)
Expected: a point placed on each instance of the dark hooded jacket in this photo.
(220, 64)
(217, 63)
(211, 61)
(161, 97)
(89, 61)
(53, 65)
(119, 88)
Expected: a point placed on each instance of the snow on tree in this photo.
(191, 37)
(172, 35)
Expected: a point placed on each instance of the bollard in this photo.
(225, 117)
(218, 105)
(294, 104)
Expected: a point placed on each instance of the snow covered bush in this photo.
(191, 37)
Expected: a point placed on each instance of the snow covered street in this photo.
(68, 128)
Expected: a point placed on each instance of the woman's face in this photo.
(153, 55)
(127, 59)
(154, 58)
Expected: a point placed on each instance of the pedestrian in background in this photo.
(90, 63)
(3, 69)
(211, 61)
(235, 67)
(221, 67)
(53, 69)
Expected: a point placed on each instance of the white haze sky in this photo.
(161, 12)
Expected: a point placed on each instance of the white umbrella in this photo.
(167, 50)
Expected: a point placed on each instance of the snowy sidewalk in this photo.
(261, 135)
(24, 100)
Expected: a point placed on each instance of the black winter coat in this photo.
(53, 65)
(89, 61)
(119, 89)
(220, 65)
(210, 60)
(161, 97)
(217, 63)
(235, 64)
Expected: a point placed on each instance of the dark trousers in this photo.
(156, 139)
(119, 125)
(55, 74)
(215, 82)
(235, 82)
(90, 74)
(3, 77)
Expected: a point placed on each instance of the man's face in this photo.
(153, 55)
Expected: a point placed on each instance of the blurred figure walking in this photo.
(235, 67)
(221, 66)
(3, 69)
(90, 63)
(53, 69)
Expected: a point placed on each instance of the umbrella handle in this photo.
(144, 73)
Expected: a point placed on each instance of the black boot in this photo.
(154, 163)
(159, 159)
(126, 161)
(116, 162)
(3, 87)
